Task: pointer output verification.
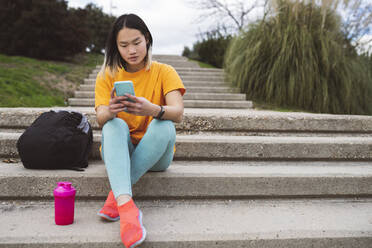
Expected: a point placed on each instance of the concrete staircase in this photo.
(205, 87)
(240, 178)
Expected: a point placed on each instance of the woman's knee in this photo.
(115, 126)
(162, 127)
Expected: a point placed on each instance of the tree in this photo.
(186, 51)
(233, 16)
(358, 22)
(42, 29)
(98, 24)
(10, 12)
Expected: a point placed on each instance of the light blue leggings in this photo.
(126, 163)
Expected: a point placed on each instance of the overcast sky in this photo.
(171, 22)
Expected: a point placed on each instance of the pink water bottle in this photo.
(64, 203)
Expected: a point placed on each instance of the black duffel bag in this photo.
(56, 140)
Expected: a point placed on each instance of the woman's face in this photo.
(132, 48)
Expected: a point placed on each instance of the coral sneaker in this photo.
(110, 209)
(132, 231)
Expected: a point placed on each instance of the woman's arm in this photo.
(105, 113)
(173, 109)
(174, 106)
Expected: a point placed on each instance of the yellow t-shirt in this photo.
(153, 85)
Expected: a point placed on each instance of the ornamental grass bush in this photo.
(299, 57)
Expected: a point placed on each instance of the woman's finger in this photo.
(112, 93)
(132, 110)
(131, 97)
(121, 98)
(116, 106)
(117, 99)
(127, 103)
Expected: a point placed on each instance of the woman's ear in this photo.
(147, 38)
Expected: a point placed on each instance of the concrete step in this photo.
(220, 147)
(90, 81)
(201, 179)
(187, 103)
(184, 74)
(205, 84)
(217, 75)
(193, 87)
(170, 59)
(217, 83)
(187, 96)
(92, 76)
(215, 96)
(184, 70)
(212, 90)
(177, 63)
(166, 57)
(187, 71)
(204, 70)
(302, 223)
(199, 71)
(160, 57)
(227, 120)
(217, 104)
(181, 131)
(87, 87)
(84, 94)
(90, 88)
(204, 78)
(273, 148)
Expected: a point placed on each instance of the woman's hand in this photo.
(115, 103)
(140, 106)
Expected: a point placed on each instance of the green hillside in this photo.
(26, 82)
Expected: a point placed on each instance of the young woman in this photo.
(137, 135)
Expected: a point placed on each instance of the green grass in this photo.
(27, 82)
(202, 64)
(260, 105)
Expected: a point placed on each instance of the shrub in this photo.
(211, 49)
(299, 57)
(186, 51)
(192, 53)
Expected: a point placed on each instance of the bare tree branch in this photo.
(237, 12)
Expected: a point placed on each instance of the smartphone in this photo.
(124, 87)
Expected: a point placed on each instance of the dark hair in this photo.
(113, 60)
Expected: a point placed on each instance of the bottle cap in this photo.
(64, 189)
